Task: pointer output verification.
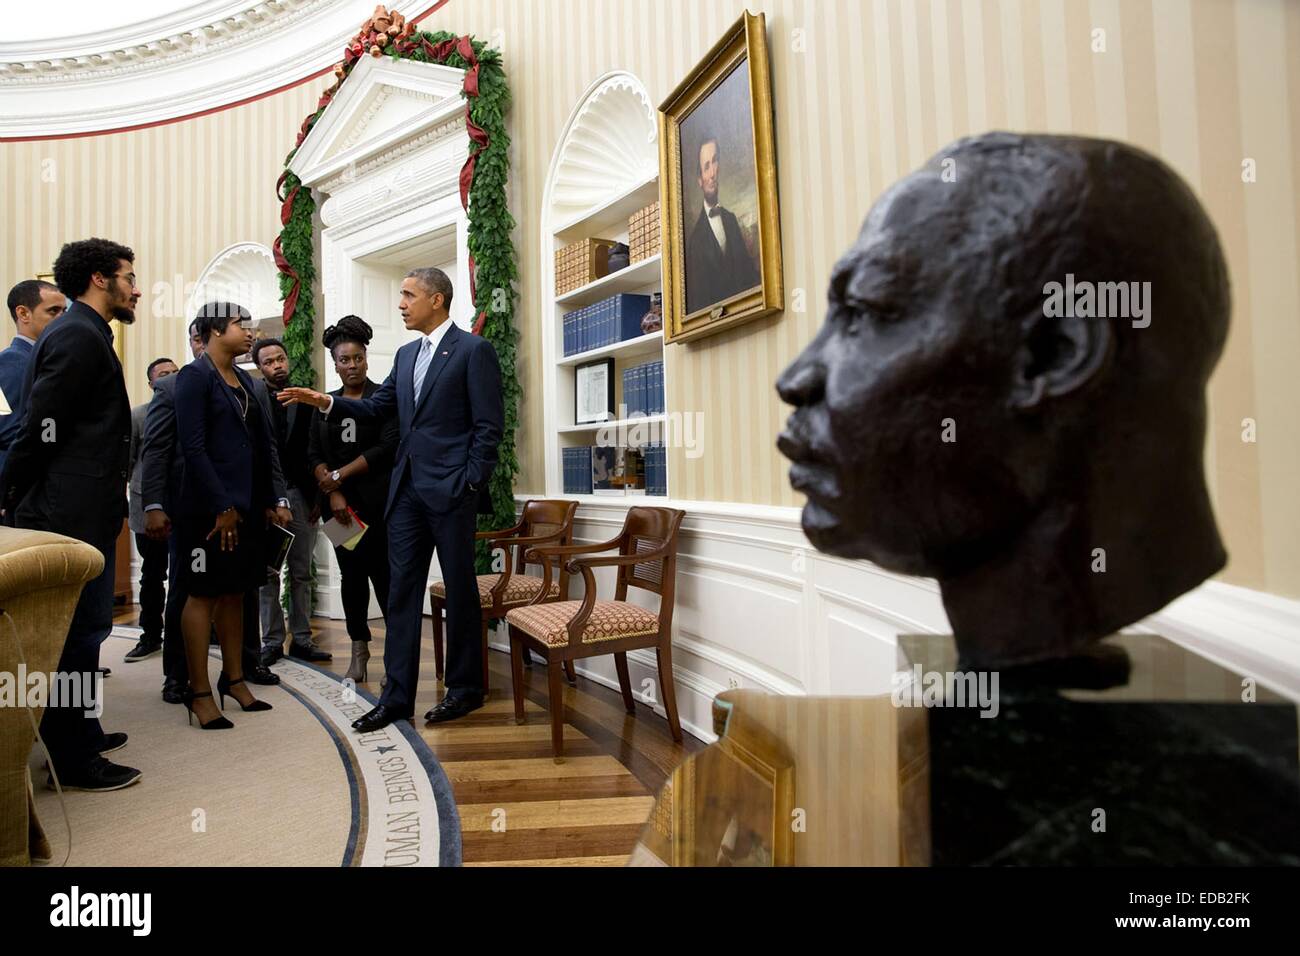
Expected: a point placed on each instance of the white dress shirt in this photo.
(716, 224)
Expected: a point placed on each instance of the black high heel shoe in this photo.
(223, 688)
(216, 723)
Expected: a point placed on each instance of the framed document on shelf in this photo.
(593, 392)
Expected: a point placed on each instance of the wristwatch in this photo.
(334, 475)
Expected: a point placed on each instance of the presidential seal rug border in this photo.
(403, 812)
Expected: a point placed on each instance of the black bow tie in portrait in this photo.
(715, 211)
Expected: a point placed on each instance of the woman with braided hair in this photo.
(352, 461)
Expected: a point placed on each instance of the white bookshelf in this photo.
(612, 128)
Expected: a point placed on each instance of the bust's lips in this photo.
(814, 480)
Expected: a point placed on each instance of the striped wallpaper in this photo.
(176, 194)
(865, 91)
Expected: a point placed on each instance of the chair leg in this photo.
(528, 658)
(557, 709)
(517, 672)
(665, 656)
(436, 607)
(485, 657)
(624, 681)
(570, 673)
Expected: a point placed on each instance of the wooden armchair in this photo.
(563, 631)
(541, 522)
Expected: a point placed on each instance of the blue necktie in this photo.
(422, 365)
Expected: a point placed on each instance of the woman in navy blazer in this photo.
(226, 502)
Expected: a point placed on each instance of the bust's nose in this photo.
(804, 381)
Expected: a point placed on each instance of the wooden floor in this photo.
(517, 806)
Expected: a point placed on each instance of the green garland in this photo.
(490, 244)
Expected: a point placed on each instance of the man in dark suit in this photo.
(153, 554)
(67, 473)
(445, 388)
(718, 263)
(291, 427)
(34, 305)
(161, 468)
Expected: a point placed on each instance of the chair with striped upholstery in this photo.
(564, 631)
(540, 522)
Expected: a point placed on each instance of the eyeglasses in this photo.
(129, 277)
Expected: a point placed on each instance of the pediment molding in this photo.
(384, 110)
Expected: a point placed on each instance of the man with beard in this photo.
(67, 472)
(292, 428)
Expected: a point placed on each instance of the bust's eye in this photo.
(848, 316)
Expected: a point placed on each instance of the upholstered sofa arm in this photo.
(41, 577)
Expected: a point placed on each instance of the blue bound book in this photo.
(657, 387)
(638, 388)
(629, 311)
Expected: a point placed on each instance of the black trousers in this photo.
(174, 665)
(414, 534)
(154, 561)
(72, 737)
(359, 568)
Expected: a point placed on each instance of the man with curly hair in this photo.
(67, 473)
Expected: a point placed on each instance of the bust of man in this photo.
(1008, 394)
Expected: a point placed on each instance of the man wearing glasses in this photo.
(67, 473)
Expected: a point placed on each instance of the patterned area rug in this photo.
(294, 786)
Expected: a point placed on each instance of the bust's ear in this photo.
(1059, 355)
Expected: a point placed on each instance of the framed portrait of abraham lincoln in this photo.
(717, 187)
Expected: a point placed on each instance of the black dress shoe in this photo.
(452, 708)
(173, 691)
(271, 655)
(104, 671)
(380, 717)
(112, 742)
(261, 674)
(98, 775)
(309, 652)
(145, 647)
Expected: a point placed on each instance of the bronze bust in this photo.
(1008, 392)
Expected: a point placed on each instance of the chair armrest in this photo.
(579, 564)
(501, 533)
(506, 543)
(537, 554)
(535, 539)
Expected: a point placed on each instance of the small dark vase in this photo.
(619, 257)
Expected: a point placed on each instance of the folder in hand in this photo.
(344, 535)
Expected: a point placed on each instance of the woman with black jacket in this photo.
(226, 503)
(352, 461)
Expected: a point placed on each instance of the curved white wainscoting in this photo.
(758, 607)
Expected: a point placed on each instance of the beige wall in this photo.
(865, 91)
(176, 194)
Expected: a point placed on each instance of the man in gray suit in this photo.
(153, 553)
(161, 464)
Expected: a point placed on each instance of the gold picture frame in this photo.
(707, 283)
